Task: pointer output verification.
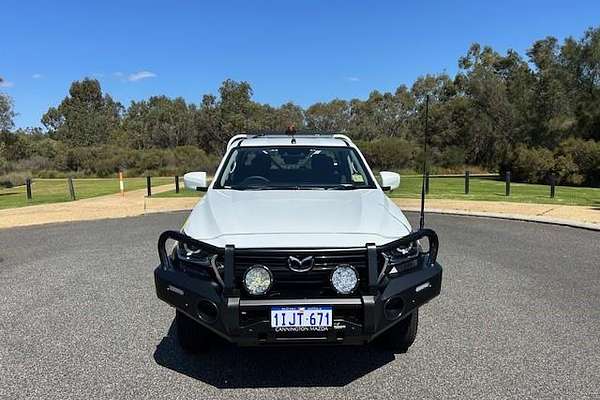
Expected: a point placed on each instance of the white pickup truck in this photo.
(295, 242)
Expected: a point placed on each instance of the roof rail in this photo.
(236, 138)
(242, 136)
(343, 137)
(296, 133)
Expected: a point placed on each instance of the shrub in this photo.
(452, 156)
(35, 163)
(46, 147)
(585, 154)
(532, 165)
(388, 153)
(567, 171)
(191, 158)
(14, 179)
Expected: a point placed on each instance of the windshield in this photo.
(291, 167)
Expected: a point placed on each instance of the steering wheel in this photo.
(255, 178)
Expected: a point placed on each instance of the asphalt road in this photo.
(519, 316)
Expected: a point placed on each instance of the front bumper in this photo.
(219, 305)
(402, 294)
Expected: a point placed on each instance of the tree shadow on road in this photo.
(227, 366)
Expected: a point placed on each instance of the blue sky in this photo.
(302, 51)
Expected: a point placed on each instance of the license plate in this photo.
(301, 317)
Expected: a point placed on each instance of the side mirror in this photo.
(196, 181)
(389, 180)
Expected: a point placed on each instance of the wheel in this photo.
(402, 335)
(192, 337)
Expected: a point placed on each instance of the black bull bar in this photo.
(226, 296)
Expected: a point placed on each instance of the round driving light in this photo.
(257, 280)
(344, 279)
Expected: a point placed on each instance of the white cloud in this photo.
(140, 75)
(352, 78)
(37, 76)
(6, 84)
(118, 74)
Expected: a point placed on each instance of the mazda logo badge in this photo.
(300, 265)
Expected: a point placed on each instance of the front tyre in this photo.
(192, 337)
(402, 335)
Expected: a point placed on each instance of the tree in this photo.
(85, 117)
(160, 122)
(7, 113)
(489, 113)
(234, 111)
(382, 114)
(329, 117)
(580, 61)
(500, 111)
(220, 118)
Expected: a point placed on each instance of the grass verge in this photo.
(56, 190)
(491, 189)
(182, 193)
(481, 189)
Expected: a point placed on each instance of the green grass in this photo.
(56, 190)
(490, 189)
(182, 193)
(485, 189)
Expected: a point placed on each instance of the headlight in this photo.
(195, 255)
(402, 258)
(404, 251)
(344, 279)
(257, 280)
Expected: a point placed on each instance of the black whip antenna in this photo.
(426, 136)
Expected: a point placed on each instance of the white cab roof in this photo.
(284, 140)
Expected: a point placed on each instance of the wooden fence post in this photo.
(552, 186)
(508, 183)
(149, 185)
(71, 187)
(28, 185)
(467, 176)
(176, 184)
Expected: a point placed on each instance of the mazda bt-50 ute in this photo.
(295, 242)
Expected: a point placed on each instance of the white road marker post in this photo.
(121, 186)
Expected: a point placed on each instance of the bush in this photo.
(54, 174)
(47, 148)
(452, 156)
(532, 165)
(153, 159)
(567, 171)
(191, 158)
(14, 179)
(388, 153)
(585, 155)
(34, 164)
(3, 160)
(574, 162)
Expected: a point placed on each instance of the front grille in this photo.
(315, 283)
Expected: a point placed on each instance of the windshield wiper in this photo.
(343, 186)
(293, 187)
(238, 187)
(270, 187)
